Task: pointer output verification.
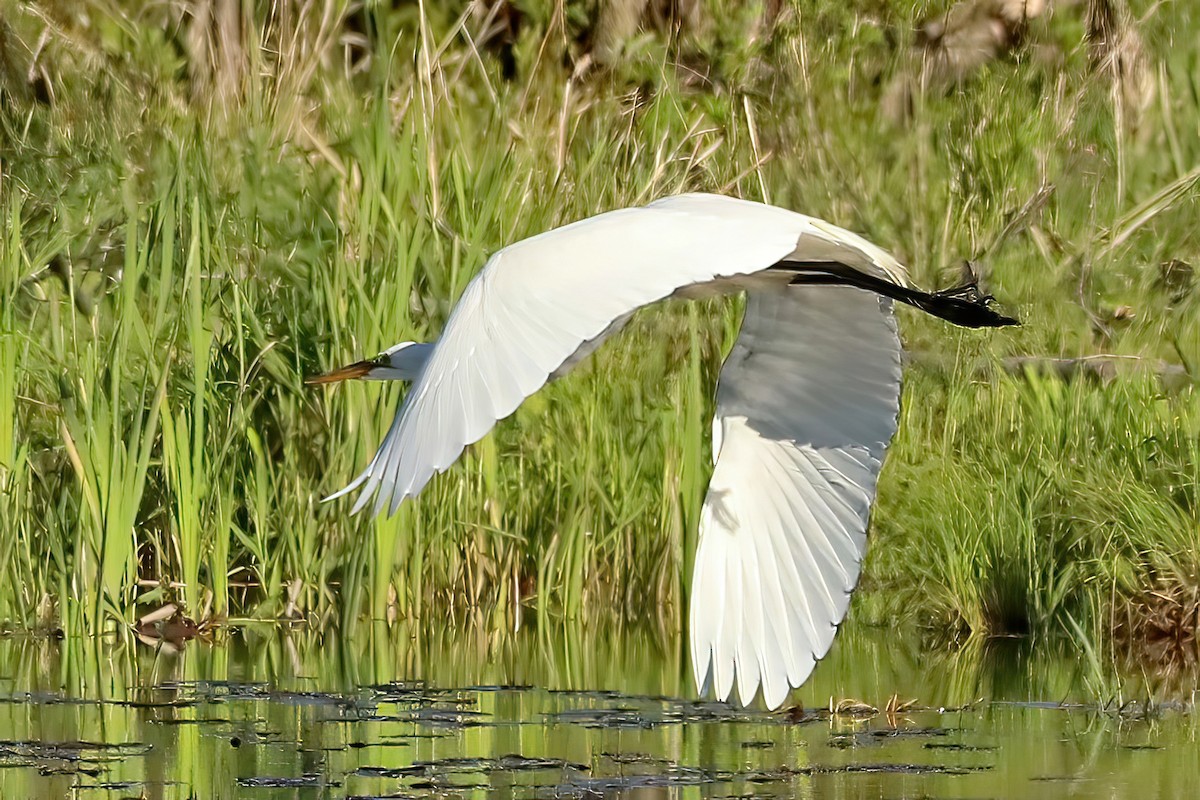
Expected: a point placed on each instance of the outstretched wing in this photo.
(806, 406)
(538, 301)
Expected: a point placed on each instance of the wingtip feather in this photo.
(349, 488)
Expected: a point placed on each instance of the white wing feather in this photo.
(537, 301)
(806, 406)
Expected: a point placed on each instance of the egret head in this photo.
(402, 362)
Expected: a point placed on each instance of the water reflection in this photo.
(403, 713)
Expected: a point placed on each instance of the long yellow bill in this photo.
(358, 369)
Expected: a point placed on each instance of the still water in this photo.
(403, 713)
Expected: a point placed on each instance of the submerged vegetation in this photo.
(199, 212)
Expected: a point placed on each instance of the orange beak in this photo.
(358, 369)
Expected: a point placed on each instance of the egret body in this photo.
(807, 401)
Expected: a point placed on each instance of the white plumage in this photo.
(806, 404)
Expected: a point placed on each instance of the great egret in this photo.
(807, 400)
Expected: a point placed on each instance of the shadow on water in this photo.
(397, 713)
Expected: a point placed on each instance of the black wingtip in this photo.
(967, 306)
(962, 305)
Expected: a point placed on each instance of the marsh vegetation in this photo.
(197, 212)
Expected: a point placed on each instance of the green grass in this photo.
(174, 264)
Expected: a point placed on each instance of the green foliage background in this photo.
(181, 245)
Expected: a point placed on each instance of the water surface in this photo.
(397, 713)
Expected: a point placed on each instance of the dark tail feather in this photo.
(963, 305)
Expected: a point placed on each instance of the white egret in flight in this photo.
(807, 400)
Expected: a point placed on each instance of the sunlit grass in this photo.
(986, 539)
(157, 443)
